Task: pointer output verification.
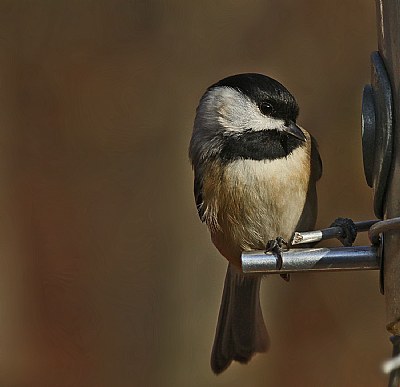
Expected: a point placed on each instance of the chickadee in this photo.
(255, 171)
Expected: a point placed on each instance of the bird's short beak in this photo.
(295, 131)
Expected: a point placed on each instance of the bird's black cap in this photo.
(263, 89)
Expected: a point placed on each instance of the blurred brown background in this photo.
(107, 276)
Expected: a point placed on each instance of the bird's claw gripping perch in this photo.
(274, 246)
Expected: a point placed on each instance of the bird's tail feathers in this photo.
(241, 331)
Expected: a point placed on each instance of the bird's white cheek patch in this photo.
(237, 113)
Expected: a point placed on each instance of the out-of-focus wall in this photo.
(107, 276)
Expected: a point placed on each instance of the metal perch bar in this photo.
(316, 259)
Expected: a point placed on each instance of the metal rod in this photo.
(327, 233)
(315, 236)
(316, 259)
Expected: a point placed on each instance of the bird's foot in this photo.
(275, 246)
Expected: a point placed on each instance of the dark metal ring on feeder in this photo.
(375, 235)
(377, 131)
(381, 227)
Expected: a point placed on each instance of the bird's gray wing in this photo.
(310, 210)
(316, 162)
(198, 192)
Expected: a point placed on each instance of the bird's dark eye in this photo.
(266, 108)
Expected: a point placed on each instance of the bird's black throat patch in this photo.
(258, 145)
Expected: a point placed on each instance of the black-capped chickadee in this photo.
(255, 173)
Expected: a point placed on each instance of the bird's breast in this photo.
(253, 201)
